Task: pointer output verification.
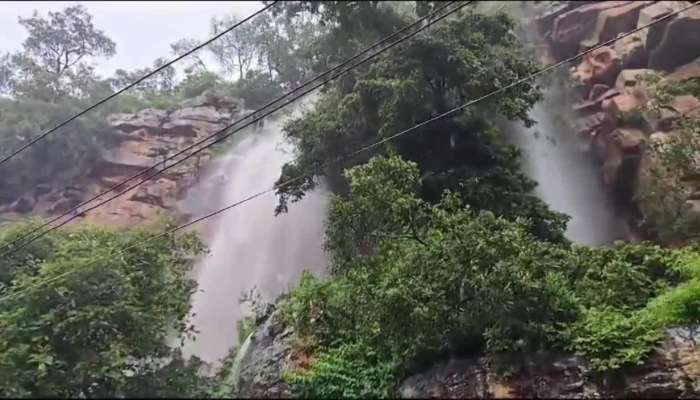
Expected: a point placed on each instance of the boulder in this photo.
(627, 107)
(629, 140)
(265, 360)
(593, 104)
(681, 106)
(630, 78)
(612, 21)
(599, 123)
(685, 72)
(680, 42)
(571, 27)
(148, 119)
(599, 66)
(652, 35)
(632, 51)
(546, 20)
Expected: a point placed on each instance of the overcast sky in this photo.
(142, 30)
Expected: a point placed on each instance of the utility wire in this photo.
(365, 148)
(74, 209)
(257, 116)
(134, 83)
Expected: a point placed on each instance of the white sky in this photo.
(142, 30)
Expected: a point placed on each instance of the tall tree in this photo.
(53, 60)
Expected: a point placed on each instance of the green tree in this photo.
(85, 320)
(463, 58)
(52, 62)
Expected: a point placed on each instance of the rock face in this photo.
(145, 140)
(264, 362)
(140, 141)
(672, 372)
(612, 78)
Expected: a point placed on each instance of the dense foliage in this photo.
(667, 191)
(414, 281)
(83, 318)
(460, 59)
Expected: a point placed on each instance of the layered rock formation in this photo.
(670, 373)
(613, 94)
(140, 141)
(673, 371)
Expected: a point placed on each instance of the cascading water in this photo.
(249, 247)
(568, 178)
(554, 156)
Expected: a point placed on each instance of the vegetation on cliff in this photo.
(82, 317)
(438, 245)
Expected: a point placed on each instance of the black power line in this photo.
(365, 148)
(257, 114)
(134, 83)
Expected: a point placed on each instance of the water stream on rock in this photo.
(249, 247)
(568, 178)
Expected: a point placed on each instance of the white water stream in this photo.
(249, 246)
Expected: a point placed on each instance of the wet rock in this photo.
(632, 51)
(202, 113)
(685, 106)
(599, 66)
(571, 27)
(597, 124)
(593, 104)
(615, 20)
(267, 357)
(148, 119)
(652, 35)
(685, 72)
(680, 43)
(627, 107)
(24, 204)
(630, 78)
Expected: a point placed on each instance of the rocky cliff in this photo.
(673, 371)
(139, 141)
(610, 83)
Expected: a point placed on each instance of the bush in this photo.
(349, 371)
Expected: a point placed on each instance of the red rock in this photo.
(630, 78)
(626, 107)
(595, 100)
(653, 34)
(632, 51)
(685, 72)
(599, 66)
(680, 43)
(629, 140)
(571, 27)
(681, 106)
(149, 119)
(597, 90)
(613, 21)
(597, 124)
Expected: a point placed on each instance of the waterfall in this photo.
(249, 247)
(568, 177)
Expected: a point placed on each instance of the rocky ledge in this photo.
(140, 141)
(610, 86)
(673, 371)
